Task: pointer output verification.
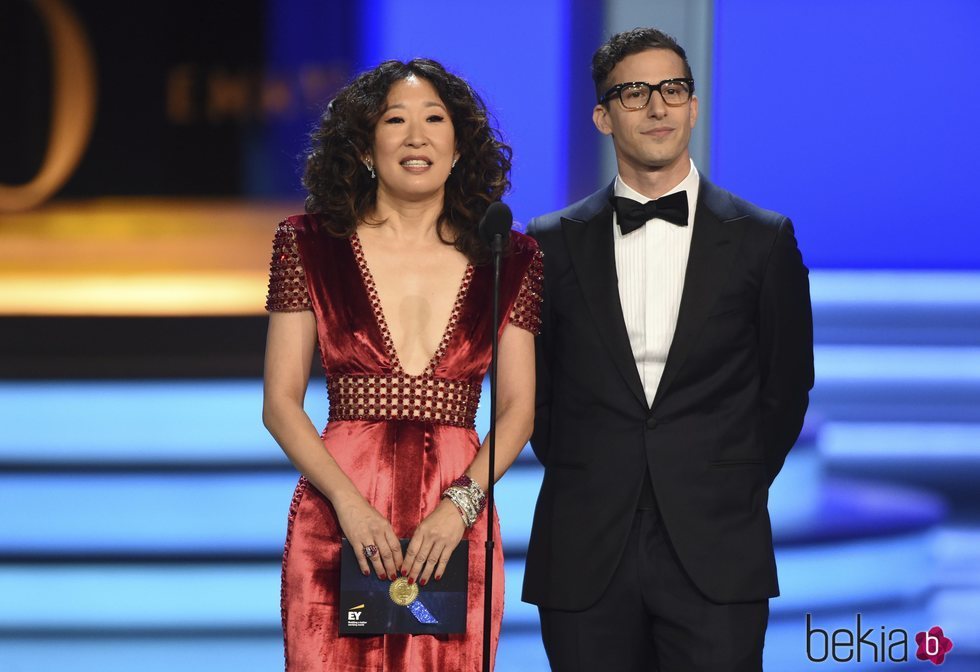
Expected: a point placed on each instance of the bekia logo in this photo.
(354, 617)
(933, 645)
(876, 644)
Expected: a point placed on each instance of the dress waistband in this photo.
(403, 397)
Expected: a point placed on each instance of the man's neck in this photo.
(654, 183)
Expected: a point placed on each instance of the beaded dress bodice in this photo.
(312, 270)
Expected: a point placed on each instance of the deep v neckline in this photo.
(389, 344)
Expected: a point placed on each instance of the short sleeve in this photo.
(526, 312)
(287, 279)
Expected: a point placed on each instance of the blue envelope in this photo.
(367, 608)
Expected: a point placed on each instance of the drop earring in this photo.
(370, 167)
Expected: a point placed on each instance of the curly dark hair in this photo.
(627, 43)
(342, 191)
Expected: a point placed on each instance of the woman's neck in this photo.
(407, 220)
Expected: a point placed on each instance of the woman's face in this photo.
(414, 141)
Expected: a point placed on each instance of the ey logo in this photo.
(354, 614)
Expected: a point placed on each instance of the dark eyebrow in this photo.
(428, 103)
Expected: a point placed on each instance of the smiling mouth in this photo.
(416, 163)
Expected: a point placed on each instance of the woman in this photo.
(386, 275)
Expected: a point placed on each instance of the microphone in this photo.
(496, 224)
(493, 227)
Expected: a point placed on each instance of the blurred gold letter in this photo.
(73, 114)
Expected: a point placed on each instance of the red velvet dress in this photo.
(402, 439)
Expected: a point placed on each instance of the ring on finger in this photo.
(370, 551)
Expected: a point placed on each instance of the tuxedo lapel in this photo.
(716, 236)
(590, 247)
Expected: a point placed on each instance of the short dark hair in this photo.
(342, 190)
(627, 43)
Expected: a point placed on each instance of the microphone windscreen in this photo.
(497, 220)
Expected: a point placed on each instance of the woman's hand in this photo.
(365, 527)
(434, 541)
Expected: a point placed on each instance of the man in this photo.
(674, 366)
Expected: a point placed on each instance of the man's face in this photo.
(657, 136)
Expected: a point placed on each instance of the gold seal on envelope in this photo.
(402, 592)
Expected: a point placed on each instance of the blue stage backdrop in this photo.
(858, 119)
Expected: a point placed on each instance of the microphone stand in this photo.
(496, 249)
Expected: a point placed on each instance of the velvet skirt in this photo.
(402, 468)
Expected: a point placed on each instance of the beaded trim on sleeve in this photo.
(287, 279)
(526, 312)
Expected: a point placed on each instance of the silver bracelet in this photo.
(460, 498)
(473, 489)
(468, 497)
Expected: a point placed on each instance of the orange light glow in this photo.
(140, 257)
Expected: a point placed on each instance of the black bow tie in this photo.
(631, 215)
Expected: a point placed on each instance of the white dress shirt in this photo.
(650, 264)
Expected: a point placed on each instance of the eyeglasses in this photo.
(636, 95)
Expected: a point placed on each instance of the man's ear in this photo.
(600, 117)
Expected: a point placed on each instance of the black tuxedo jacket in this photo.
(729, 407)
